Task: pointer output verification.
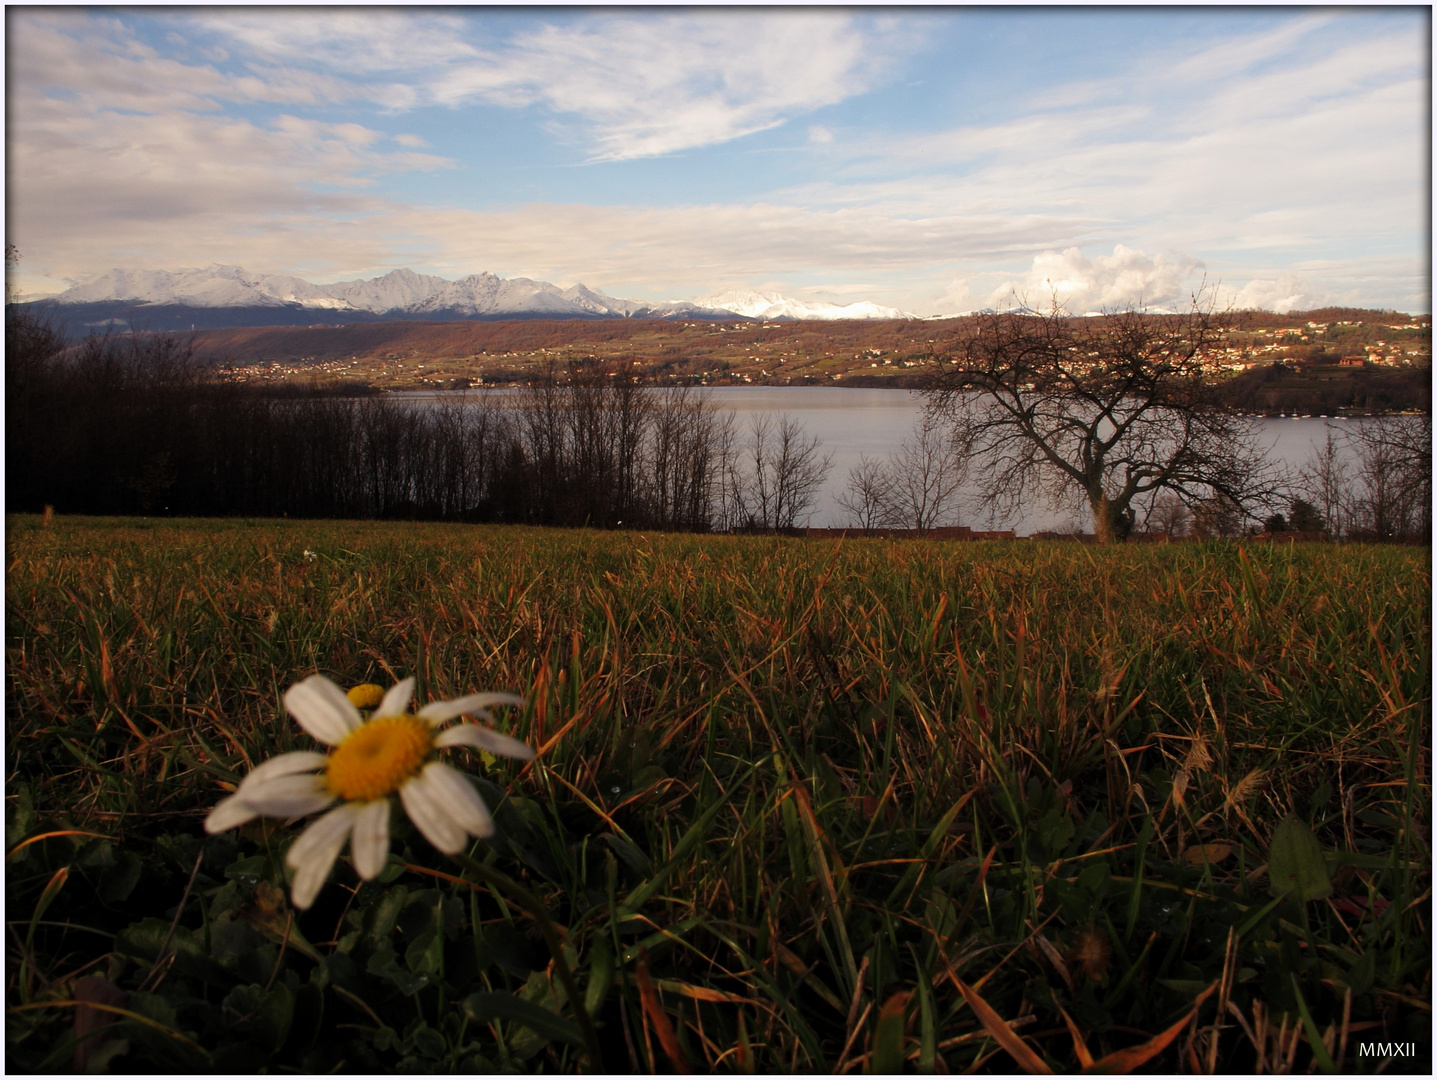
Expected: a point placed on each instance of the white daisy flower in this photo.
(391, 752)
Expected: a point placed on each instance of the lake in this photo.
(857, 421)
(852, 422)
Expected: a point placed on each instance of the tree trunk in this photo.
(1111, 524)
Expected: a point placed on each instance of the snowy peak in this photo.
(764, 305)
(399, 291)
(213, 286)
(406, 293)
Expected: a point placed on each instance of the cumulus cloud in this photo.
(1285, 293)
(956, 299)
(1078, 284)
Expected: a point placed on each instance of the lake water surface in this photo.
(857, 421)
(853, 422)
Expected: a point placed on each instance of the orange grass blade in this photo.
(1125, 1061)
(1005, 1037)
(649, 998)
(1080, 1047)
(704, 993)
(48, 835)
(887, 1053)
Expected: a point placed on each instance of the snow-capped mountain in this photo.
(766, 305)
(397, 291)
(230, 295)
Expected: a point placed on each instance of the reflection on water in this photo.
(858, 421)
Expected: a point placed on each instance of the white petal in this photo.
(312, 855)
(457, 796)
(228, 813)
(284, 765)
(322, 709)
(436, 712)
(485, 738)
(430, 815)
(287, 796)
(370, 846)
(397, 698)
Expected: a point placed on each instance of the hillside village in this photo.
(1380, 348)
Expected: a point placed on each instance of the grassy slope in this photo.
(918, 764)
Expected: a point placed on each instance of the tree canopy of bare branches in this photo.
(868, 496)
(1374, 482)
(917, 488)
(771, 483)
(1116, 407)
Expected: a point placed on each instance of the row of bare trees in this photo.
(1373, 481)
(1118, 412)
(602, 450)
(126, 424)
(1370, 481)
(917, 488)
(1123, 413)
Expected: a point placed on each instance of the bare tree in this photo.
(1374, 481)
(867, 496)
(684, 459)
(12, 263)
(1215, 516)
(777, 476)
(1325, 480)
(1170, 515)
(1393, 498)
(925, 476)
(1118, 407)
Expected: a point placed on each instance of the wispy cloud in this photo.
(1288, 162)
(1295, 151)
(644, 85)
(96, 60)
(627, 86)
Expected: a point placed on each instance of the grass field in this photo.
(858, 806)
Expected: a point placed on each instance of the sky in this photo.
(932, 159)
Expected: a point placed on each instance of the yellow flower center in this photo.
(365, 695)
(373, 760)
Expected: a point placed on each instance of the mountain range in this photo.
(221, 296)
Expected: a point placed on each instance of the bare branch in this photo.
(1119, 407)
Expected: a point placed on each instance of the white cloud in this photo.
(167, 189)
(1273, 154)
(1126, 278)
(1325, 148)
(647, 84)
(115, 149)
(956, 298)
(1285, 293)
(96, 61)
(632, 85)
(361, 42)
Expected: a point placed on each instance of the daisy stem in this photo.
(504, 882)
